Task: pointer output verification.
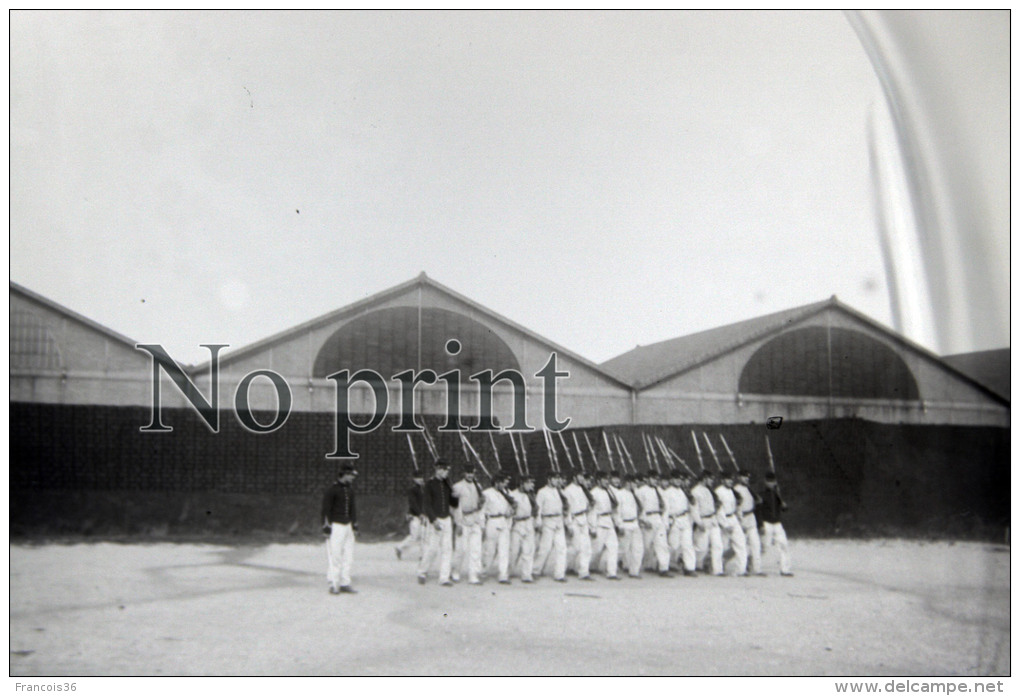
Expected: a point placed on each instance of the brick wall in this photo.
(89, 469)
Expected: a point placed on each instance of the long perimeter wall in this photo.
(88, 469)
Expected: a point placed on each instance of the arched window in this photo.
(387, 341)
(816, 361)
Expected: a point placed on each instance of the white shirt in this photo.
(676, 501)
(627, 509)
(727, 501)
(649, 499)
(467, 495)
(495, 504)
(523, 504)
(704, 500)
(548, 500)
(576, 498)
(602, 510)
(746, 498)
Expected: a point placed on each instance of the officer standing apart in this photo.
(772, 507)
(340, 519)
(470, 522)
(439, 501)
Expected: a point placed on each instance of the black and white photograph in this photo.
(510, 344)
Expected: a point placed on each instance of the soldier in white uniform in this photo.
(729, 525)
(680, 534)
(577, 513)
(653, 526)
(522, 534)
(746, 502)
(632, 545)
(498, 510)
(707, 539)
(467, 516)
(601, 520)
(553, 540)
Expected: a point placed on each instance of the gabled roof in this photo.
(646, 366)
(379, 298)
(71, 314)
(990, 367)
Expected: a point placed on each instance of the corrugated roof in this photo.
(989, 367)
(646, 365)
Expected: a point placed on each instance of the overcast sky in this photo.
(604, 179)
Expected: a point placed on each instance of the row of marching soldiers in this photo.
(603, 521)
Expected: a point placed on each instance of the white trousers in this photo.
(522, 547)
(553, 541)
(733, 534)
(681, 543)
(775, 535)
(653, 529)
(708, 542)
(339, 554)
(415, 537)
(580, 545)
(438, 543)
(750, 527)
(606, 542)
(632, 547)
(468, 545)
(496, 546)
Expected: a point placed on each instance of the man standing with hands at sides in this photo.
(522, 534)
(469, 520)
(553, 539)
(707, 539)
(439, 501)
(746, 501)
(604, 505)
(772, 507)
(579, 504)
(498, 509)
(632, 544)
(340, 520)
(416, 519)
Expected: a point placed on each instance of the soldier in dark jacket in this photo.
(438, 500)
(771, 510)
(340, 520)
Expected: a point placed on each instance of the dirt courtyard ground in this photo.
(853, 608)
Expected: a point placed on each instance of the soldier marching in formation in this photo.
(599, 521)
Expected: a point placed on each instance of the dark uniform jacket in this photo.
(338, 504)
(771, 507)
(438, 498)
(416, 500)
